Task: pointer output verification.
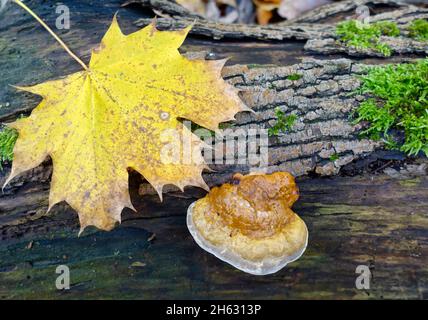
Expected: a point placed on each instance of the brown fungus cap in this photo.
(249, 223)
(258, 205)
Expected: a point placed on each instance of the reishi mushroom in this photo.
(249, 224)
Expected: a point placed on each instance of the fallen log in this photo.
(322, 97)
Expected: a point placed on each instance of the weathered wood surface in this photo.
(375, 220)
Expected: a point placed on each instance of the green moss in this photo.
(294, 77)
(334, 157)
(283, 124)
(399, 102)
(8, 138)
(387, 28)
(418, 29)
(367, 36)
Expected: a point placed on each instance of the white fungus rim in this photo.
(267, 266)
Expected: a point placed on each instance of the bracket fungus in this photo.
(249, 224)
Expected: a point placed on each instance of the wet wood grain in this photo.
(371, 220)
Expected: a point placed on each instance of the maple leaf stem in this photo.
(22, 5)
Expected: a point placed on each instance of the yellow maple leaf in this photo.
(97, 123)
